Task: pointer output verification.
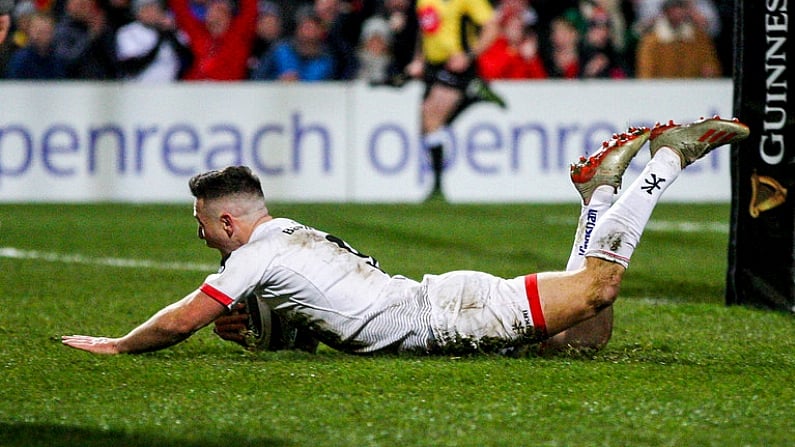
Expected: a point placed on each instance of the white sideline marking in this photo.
(664, 225)
(688, 227)
(15, 253)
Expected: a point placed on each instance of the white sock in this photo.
(439, 137)
(600, 202)
(618, 231)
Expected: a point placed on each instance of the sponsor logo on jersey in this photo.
(429, 19)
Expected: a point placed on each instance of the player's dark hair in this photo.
(233, 180)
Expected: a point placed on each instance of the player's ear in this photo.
(228, 223)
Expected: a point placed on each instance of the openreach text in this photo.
(276, 149)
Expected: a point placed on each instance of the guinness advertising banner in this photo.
(761, 269)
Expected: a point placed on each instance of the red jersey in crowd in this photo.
(503, 61)
(223, 57)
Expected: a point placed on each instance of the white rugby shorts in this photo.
(476, 310)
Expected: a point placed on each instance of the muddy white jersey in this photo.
(317, 280)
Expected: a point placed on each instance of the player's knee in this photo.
(606, 294)
(431, 121)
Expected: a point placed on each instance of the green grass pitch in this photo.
(681, 369)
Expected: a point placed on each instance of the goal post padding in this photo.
(761, 267)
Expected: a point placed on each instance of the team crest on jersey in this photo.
(429, 19)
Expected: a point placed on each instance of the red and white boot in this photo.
(693, 141)
(607, 165)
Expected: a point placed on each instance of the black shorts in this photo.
(437, 74)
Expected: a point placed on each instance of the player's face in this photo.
(210, 229)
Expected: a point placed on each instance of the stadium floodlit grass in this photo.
(681, 369)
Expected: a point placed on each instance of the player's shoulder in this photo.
(281, 232)
(287, 225)
(276, 225)
(265, 240)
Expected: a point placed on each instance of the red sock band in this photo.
(531, 288)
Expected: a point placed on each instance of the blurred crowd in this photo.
(373, 40)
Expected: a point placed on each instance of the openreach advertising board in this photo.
(84, 142)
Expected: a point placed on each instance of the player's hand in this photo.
(459, 62)
(96, 345)
(232, 326)
(415, 68)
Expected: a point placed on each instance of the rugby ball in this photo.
(260, 325)
(267, 331)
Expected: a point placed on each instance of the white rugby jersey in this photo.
(318, 281)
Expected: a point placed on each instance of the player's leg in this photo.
(437, 107)
(597, 179)
(673, 147)
(570, 297)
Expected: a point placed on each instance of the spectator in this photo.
(514, 55)
(600, 59)
(85, 42)
(675, 47)
(612, 12)
(22, 16)
(704, 14)
(6, 6)
(374, 59)
(547, 11)
(305, 57)
(6, 49)
(343, 24)
(564, 59)
(16, 33)
(148, 48)
(268, 31)
(221, 43)
(37, 61)
(403, 28)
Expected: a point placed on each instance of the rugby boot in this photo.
(480, 90)
(693, 141)
(607, 165)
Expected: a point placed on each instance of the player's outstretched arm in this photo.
(97, 345)
(168, 327)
